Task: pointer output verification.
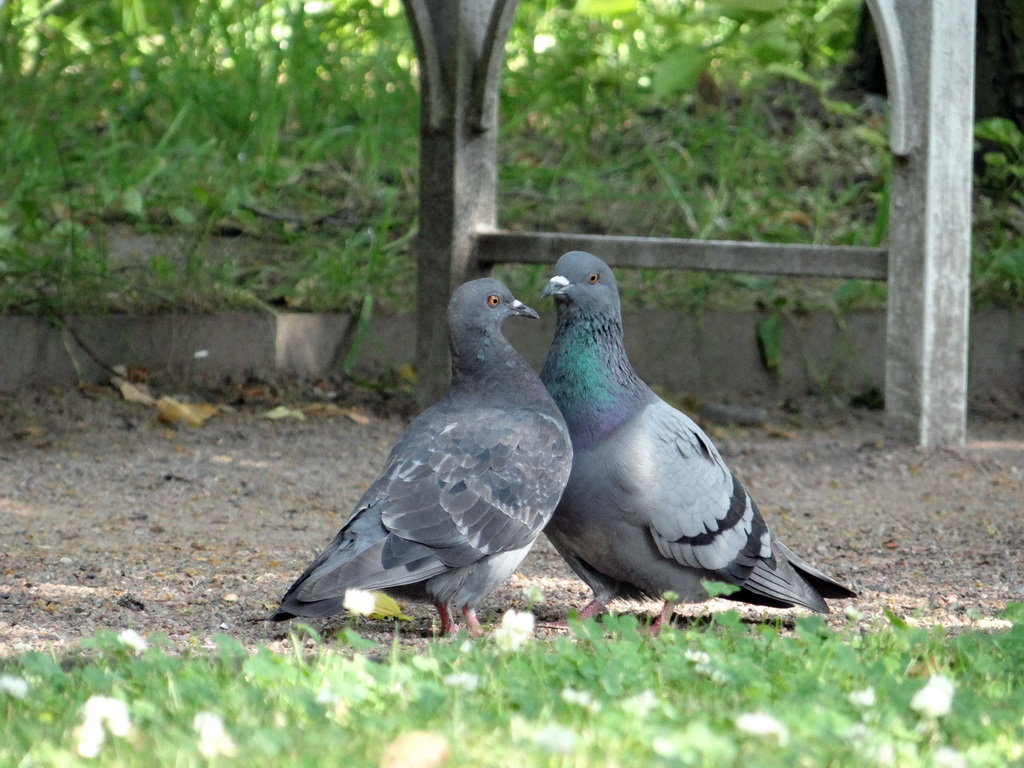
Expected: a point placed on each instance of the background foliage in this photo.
(292, 126)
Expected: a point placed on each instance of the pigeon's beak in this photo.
(555, 287)
(518, 308)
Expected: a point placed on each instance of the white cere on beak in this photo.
(517, 304)
(558, 280)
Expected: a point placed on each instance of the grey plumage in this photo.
(467, 488)
(650, 506)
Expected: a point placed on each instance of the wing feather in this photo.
(485, 483)
(699, 513)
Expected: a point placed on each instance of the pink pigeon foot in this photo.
(664, 618)
(472, 622)
(588, 611)
(446, 618)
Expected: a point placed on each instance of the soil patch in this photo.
(110, 519)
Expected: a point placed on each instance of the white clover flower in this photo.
(881, 753)
(555, 738)
(333, 702)
(133, 640)
(697, 657)
(666, 746)
(327, 697)
(465, 681)
(852, 614)
(871, 745)
(641, 704)
(864, 698)
(763, 725)
(89, 738)
(543, 42)
(359, 601)
(702, 665)
(113, 713)
(947, 757)
(935, 699)
(581, 699)
(13, 686)
(515, 631)
(100, 715)
(213, 737)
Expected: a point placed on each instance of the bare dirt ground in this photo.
(110, 519)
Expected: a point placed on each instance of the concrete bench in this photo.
(928, 51)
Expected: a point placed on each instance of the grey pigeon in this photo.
(467, 488)
(650, 507)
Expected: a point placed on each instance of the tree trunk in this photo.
(999, 66)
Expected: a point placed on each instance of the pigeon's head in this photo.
(585, 283)
(483, 305)
(475, 314)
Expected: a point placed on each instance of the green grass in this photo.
(292, 127)
(605, 695)
(204, 119)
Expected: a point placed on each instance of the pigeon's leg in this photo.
(592, 609)
(588, 611)
(665, 617)
(472, 622)
(446, 618)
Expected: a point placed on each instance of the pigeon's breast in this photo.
(612, 478)
(604, 517)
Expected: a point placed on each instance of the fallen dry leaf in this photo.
(32, 431)
(284, 412)
(386, 607)
(136, 373)
(323, 409)
(416, 749)
(193, 414)
(330, 409)
(133, 393)
(357, 416)
(132, 388)
(797, 217)
(775, 431)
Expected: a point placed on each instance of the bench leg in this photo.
(930, 229)
(460, 46)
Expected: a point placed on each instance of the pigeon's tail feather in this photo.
(792, 581)
(825, 585)
(364, 555)
(781, 587)
(320, 592)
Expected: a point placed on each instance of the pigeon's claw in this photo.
(472, 622)
(446, 618)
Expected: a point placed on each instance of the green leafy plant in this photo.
(1005, 163)
(606, 692)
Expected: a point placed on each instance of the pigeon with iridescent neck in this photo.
(651, 509)
(467, 488)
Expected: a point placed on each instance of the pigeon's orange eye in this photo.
(593, 278)
(493, 300)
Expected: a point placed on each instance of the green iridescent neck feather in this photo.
(590, 377)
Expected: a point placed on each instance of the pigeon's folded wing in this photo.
(485, 481)
(700, 514)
